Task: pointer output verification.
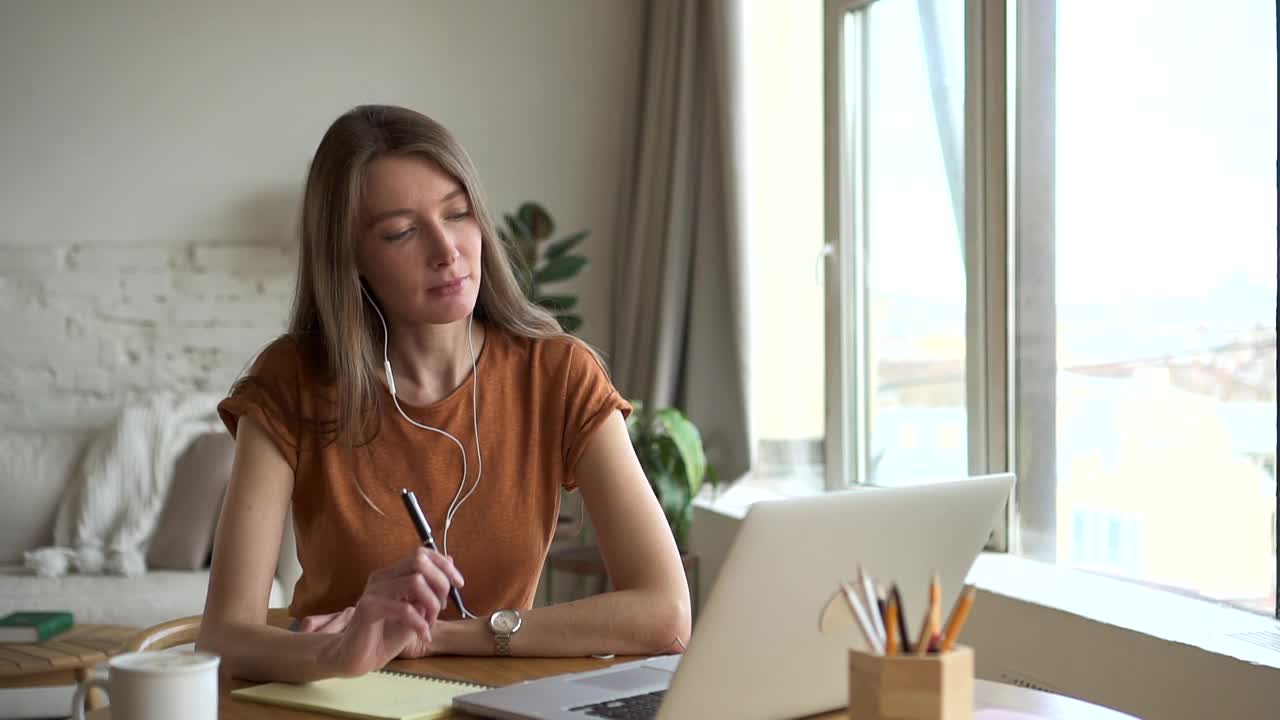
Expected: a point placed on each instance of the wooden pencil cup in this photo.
(910, 687)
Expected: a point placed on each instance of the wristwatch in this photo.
(503, 624)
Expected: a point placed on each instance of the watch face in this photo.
(504, 621)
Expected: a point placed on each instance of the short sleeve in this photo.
(590, 399)
(270, 393)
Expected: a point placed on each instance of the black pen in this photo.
(428, 541)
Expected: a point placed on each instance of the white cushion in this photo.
(153, 598)
(35, 468)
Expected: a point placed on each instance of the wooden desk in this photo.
(503, 671)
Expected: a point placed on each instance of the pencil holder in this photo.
(910, 687)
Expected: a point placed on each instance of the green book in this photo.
(32, 627)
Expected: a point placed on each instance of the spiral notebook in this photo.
(379, 695)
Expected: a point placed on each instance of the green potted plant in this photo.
(670, 450)
(539, 261)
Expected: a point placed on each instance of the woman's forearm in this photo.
(267, 653)
(624, 622)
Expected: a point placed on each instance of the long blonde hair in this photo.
(329, 315)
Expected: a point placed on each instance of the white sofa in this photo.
(35, 470)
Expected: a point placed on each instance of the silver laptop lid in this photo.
(756, 651)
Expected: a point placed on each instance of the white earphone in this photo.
(458, 497)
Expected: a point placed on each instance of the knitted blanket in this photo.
(112, 504)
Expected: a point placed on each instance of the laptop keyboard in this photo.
(635, 707)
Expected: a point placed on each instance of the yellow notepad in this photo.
(379, 695)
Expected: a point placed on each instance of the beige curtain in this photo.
(680, 276)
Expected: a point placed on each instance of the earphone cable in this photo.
(456, 504)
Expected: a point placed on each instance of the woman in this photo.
(413, 361)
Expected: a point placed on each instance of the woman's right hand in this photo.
(398, 608)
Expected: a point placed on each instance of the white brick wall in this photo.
(87, 328)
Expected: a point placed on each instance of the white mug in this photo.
(157, 685)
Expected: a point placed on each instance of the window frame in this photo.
(988, 319)
(844, 147)
(1005, 110)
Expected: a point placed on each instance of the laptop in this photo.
(756, 651)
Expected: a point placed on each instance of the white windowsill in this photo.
(1157, 613)
(1161, 614)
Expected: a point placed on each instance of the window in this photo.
(1054, 234)
(898, 351)
(905, 75)
(1106, 542)
(1157, 226)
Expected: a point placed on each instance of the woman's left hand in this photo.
(336, 622)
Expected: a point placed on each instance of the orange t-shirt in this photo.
(538, 403)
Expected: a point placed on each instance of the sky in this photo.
(1165, 170)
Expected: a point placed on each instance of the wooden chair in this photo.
(184, 631)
